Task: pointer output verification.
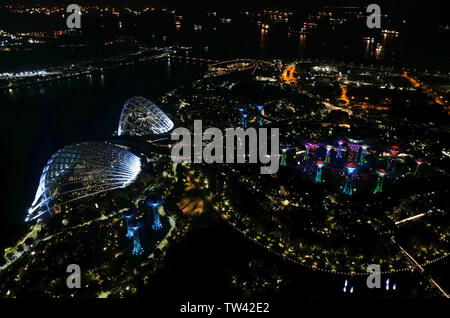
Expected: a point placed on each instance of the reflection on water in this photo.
(383, 50)
(302, 46)
(263, 43)
(168, 68)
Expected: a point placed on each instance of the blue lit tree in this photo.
(244, 120)
(155, 204)
(137, 247)
(320, 165)
(130, 232)
(327, 156)
(283, 155)
(379, 188)
(241, 119)
(363, 153)
(259, 121)
(339, 154)
(348, 188)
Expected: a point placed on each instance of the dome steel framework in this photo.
(141, 117)
(82, 170)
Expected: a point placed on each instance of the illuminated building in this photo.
(419, 163)
(82, 170)
(259, 121)
(348, 188)
(140, 117)
(137, 247)
(363, 153)
(156, 217)
(339, 153)
(319, 171)
(379, 188)
(394, 151)
(327, 156)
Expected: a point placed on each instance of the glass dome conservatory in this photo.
(141, 117)
(82, 170)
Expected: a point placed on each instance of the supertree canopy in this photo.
(354, 150)
(141, 117)
(137, 246)
(348, 188)
(363, 153)
(311, 147)
(379, 188)
(339, 151)
(155, 204)
(320, 165)
(284, 151)
(241, 118)
(327, 156)
(130, 231)
(244, 120)
(419, 163)
(82, 170)
(394, 151)
(306, 152)
(259, 120)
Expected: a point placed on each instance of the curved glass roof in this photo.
(81, 170)
(141, 117)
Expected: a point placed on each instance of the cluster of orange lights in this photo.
(427, 90)
(288, 75)
(344, 95)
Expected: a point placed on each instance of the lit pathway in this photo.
(420, 268)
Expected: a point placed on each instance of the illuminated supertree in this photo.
(259, 120)
(312, 146)
(419, 163)
(381, 173)
(310, 155)
(353, 155)
(283, 156)
(137, 247)
(319, 171)
(241, 119)
(363, 153)
(348, 188)
(244, 120)
(339, 154)
(305, 157)
(130, 232)
(394, 151)
(156, 217)
(327, 157)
